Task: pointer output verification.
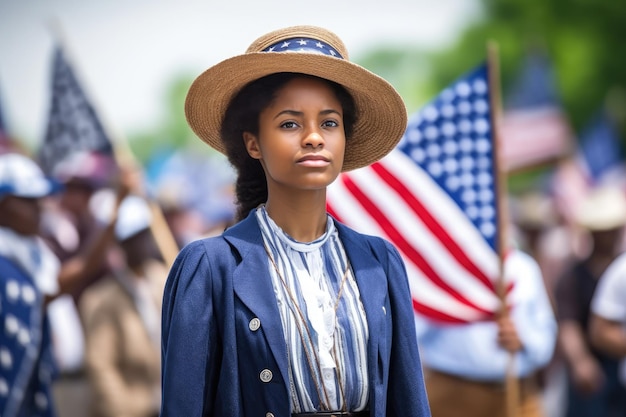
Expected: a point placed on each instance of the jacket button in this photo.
(266, 375)
(384, 311)
(254, 324)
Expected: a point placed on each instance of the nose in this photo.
(313, 138)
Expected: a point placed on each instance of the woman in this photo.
(288, 312)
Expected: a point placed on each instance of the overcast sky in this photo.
(125, 52)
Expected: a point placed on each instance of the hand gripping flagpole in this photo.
(512, 384)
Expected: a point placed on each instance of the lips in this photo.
(314, 160)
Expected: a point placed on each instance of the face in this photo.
(301, 139)
(607, 241)
(20, 214)
(75, 198)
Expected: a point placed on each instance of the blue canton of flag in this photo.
(434, 197)
(451, 139)
(535, 86)
(73, 125)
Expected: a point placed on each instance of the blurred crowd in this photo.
(83, 265)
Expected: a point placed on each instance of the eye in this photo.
(289, 125)
(330, 123)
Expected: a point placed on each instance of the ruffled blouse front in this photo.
(322, 316)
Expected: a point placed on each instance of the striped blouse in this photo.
(326, 340)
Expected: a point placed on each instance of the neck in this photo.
(301, 215)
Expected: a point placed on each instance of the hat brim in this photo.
(381, 113)
(37, 188)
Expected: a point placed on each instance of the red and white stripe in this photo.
(533, 136)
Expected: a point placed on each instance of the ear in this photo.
(252, 145)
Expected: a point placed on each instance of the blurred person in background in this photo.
(607, 325)
(69, 228)
(31, 276)
(539, 229)
(68, 224)
(593, 386)
(122, 319)
(466, 365)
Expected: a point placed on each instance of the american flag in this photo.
(73, 125)
(534, 130)
(434, 197)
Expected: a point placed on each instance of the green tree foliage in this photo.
(583, 38)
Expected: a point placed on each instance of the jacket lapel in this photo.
(252, 284)
(371, 280)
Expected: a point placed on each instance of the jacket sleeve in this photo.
(406, 392)
(189, 337)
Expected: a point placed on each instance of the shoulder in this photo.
(518, 261)
(617, 269)
(608, 298)
(522, 269)
(612, 283)
(198, 266)
(8, 269)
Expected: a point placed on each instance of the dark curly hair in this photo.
(242, 115)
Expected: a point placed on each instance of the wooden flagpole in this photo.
(512, 383)
(158, 226)
(127, 161)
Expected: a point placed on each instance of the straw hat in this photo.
(603, 209)
(381, 113)
(533, 210)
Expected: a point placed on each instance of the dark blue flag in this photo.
(600, 149)
(73, 125)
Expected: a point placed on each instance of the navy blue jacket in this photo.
(217, 363)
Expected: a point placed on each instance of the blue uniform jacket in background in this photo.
(28, 368)
(215, 362)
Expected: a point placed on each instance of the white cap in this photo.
(133, 217)
(21, 176)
